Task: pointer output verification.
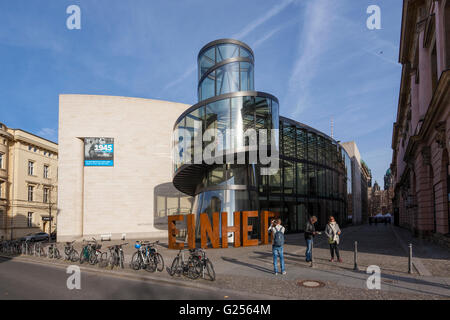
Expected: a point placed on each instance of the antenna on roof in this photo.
(332, 128)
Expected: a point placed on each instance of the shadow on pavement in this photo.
(249, 265)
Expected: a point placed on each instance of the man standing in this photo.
(277, 244)
(310, 232)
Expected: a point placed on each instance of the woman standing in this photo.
(333, 231)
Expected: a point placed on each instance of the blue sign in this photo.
(98, 152)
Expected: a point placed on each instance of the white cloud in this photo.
(269, 35)
(48, 133)
(241, 35)
(253, 25)
(313, 42)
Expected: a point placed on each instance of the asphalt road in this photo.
(24, 280)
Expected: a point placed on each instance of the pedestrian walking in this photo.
(277, 245)
(333, 232)
(310, 232)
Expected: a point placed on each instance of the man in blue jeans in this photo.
(277, 244)
(310, 232)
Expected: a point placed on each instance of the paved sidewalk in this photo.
(250, 269)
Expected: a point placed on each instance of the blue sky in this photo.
(317, 56)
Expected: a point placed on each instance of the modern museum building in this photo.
(144, 160)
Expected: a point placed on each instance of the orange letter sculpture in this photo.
(265, 226)
(173, 231)
(191, 230)
(246, 228)
(236, 229)
(206, 229)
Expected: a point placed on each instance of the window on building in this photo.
(30, 148)
(45, 171)
(30, 193)
(46, 195)
(1, 189)
(30, 219)
(434, 71)
(1, 160)
(30, 168)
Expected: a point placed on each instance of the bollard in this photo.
(410, 259)
(355, 267)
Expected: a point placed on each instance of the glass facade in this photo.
(224, 68)
(314, 177)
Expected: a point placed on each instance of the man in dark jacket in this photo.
(310, 232)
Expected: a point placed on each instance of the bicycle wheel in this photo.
(159, 262)
(174, 268)
(56, 254)
(50, 253)
(150, 265)
(93, 258)
(210, 270)
(74, 256)
(82, 256)
(112, 261)
(122, 260)
(103, 260)
(194, 266)
(135, 263)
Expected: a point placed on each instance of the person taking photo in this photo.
(277, 245)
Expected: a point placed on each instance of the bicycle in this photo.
(98, 257)
(53, 252)
(87, 250)
(116, 256)
(203, 264)
(140, 259)
(70, 252)
(152, 253)
(182, 266)
(38, 250)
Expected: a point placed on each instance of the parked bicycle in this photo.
(203, 265)
(140, 259)
(70, 252)
(152, 253)
(98, 257)
(88, 248)
(116, 256)
(39, 250)
(182, 266)
(53, 252)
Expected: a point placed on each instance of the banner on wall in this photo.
(98, 152)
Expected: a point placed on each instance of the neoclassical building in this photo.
(420, 140)
(28, 183)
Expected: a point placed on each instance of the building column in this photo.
(424, 193)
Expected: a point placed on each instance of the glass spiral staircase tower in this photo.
(228, 107)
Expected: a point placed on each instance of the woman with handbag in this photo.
(333, 232)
